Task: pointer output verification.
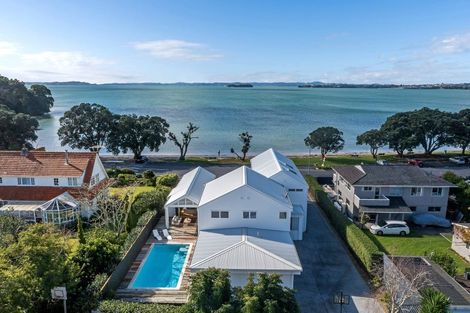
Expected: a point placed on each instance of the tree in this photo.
(80, 233)
(209, 290)
(85, 126)
(374, 138)
(327, 139)
(266, 295)
(185, 141)
(399, 134)
(245, 138)
(10, 228)
(168, 180)
(42, 100)
(146, 201)
(434, 301)
(431, 127)
(135, 133)
(460, 130)
(16, 129)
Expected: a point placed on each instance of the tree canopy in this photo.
(245, 139)
(85, 126)
(187, 136)
(374, 138)
(36, 100)
(460, 129)
(398, 133)
(327, 139)
(135, 133)
(16, 130)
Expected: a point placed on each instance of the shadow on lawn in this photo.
(379, 244)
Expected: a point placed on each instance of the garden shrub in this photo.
(148, 174)
(146, 201)
(134, 233)
(362, 246)
(445, 261)
(120, 306)
(169, 180)
(114, 172)
(126, 179)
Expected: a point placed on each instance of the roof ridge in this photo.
(272, 254)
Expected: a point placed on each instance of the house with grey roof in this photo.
(389, 192)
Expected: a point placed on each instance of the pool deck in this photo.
(186, 235)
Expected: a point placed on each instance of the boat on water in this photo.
(240, 85)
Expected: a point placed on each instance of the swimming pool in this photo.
(162, 267)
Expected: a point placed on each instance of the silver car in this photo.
(390, 228)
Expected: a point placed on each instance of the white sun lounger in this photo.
(157, 235)
(166, 234)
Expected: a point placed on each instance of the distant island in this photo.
(402, 86)
(240, 85)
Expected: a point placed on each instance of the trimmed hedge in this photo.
(119, 306)
(168, 180)
(134, 233)
(362, 246)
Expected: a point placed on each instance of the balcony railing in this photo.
(380, 201)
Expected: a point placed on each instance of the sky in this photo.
(224, 41)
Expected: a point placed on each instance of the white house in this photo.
(245, 218)
(45, 186)
(281, 169)
(460, 242)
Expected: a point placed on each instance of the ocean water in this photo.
(279, 117)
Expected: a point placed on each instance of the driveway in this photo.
(328, 268)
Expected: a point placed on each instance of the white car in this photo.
(390, 228)
(457, 160)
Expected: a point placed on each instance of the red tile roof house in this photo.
(45, 186)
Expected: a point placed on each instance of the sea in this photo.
(276, 116)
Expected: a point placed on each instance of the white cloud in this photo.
(458, 43)
(177, 49)
(7, 48)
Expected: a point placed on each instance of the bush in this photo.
(362, 246)
(126, 179)
(114, 172)
(434, 301)
(146, 201)
(134, 233)
(445, 261)
(168, 180)
(148, 174)
(119, 306)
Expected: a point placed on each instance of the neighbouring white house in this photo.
(281, 169)
(42, 186)
(184, 198)
(246, 219)
(460, 240)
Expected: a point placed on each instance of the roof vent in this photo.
(24, 151)
(66, 157)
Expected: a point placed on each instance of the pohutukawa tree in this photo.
(245, 138)
(135, 133)
(327, 139)
(16, 130)
(86, 126)
(399, 135)
(187, 136)
(374, 138)
(460, 130)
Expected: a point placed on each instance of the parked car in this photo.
(415, 162)
(141, 159)
(390, 228)
(383, 162)
(427, 219)
(457, 160)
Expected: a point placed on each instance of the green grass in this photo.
(416, 245)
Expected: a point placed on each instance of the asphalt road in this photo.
(329, 268)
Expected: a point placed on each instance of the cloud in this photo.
(177, 49)
(7, 48)
(459, 43)
(60, 60)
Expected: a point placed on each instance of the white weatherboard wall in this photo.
(245, 198)
(240, 278)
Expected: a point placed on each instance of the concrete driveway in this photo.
(328, 268)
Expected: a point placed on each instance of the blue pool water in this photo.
(162, 268)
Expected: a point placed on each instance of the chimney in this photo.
(24, 151)
(66, 157)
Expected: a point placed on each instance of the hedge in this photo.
(360, 244)
(119, 306)
(134, 233)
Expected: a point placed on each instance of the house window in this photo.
(249, 214)
(348, 186)
(434, 209)
(1, 180)
(215, 214)
(436, 191)
(56, 182)
(416, 191)
(95, 179)
(283, 215)
(223, 214)
(367, 188)
(296, 190)
(294, 223)
(26, 181)
(73, 181)
(413, 208)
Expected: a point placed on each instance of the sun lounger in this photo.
(157, 235)
(166, 234)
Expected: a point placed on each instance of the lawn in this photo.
(417, 244)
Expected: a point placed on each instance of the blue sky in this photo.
(207, 41)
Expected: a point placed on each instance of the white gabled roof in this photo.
(249, 249)
(243, 176)
(191, 185)
(271, 162)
